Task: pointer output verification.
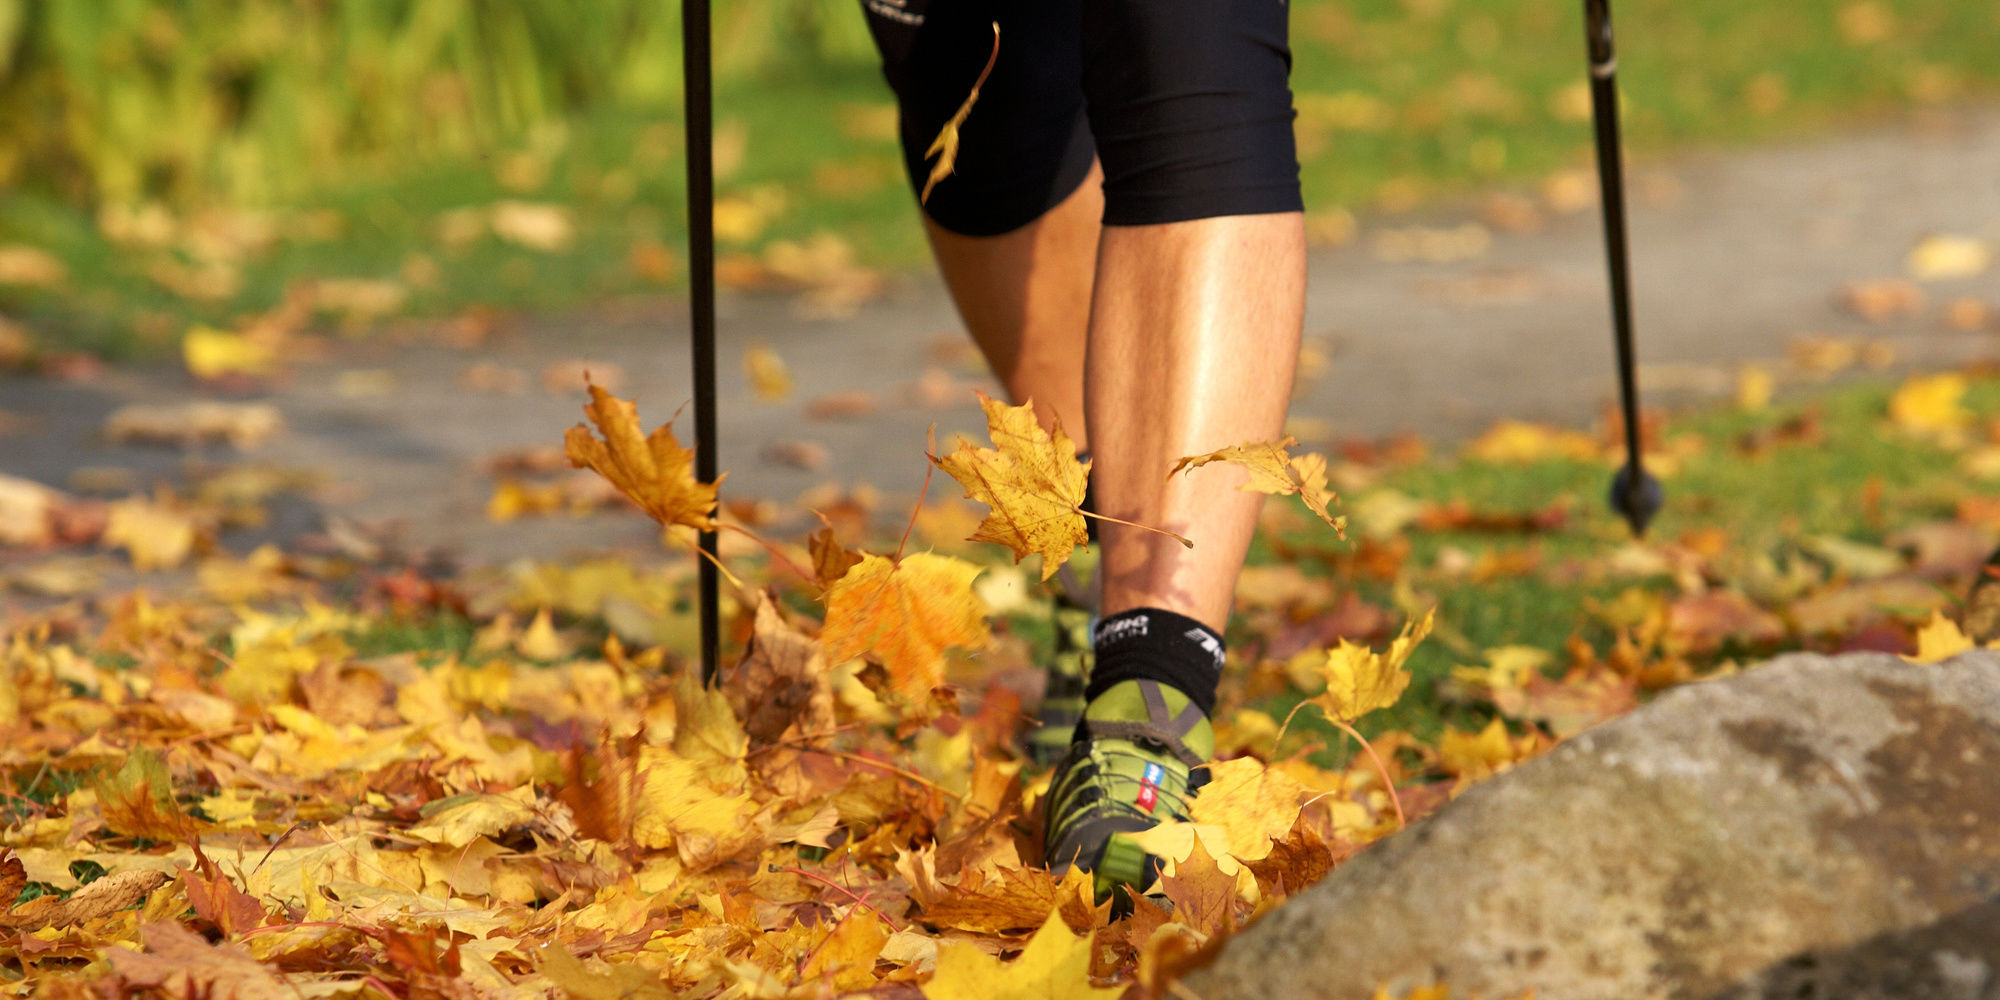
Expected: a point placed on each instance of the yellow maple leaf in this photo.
(1030, 478)
(769, 377)
(462, 819)
(1256, 805)
(156, 535)
(1173, 842)
(212, 353)
(945, 146)
(1358, 679)
(1476, 756)
(1054, 966)
(599, 979)
(653, 470)
(1275, 471)
(1521, 443)
(905, 613)
(1931, 405)
(1939, 639)
(677, 807)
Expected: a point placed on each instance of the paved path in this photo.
(1735, 255)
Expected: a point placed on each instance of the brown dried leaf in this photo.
(103, 897)
(782, 688)
(177, 962)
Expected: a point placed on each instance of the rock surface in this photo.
(1816, 827)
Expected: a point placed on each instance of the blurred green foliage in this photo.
(254, 102)
(198, 160)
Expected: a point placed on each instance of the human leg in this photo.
(1194, 337)
(1195, 321)
(1025, 297)
(1014, 227)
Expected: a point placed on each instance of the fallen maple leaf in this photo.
(1255, 804)
(1204, 896)
(1931, 405)
(178, 962)
(103, 897)
(1007, 898)
(138, 800)
(535, 225)
(783, 684)
(622, 981)
(653, 470)
(1031, 480)
(216, 899)
(1939, 639)
(27, 512)
(1298, 860)
(1277, 472)
(1945, 256)
(31, 267)
(769, 377)
(241, 425)
(1054, 966)
(905, 613)
(13, 877)
(945, 146)
(1517, 442)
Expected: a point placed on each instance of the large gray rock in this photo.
(1823, 827)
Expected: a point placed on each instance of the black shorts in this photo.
(1186, 103)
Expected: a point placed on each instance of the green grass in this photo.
(435, 636)
(1453, 96)
(1771, 504)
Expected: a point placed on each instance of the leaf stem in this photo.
(717, 560)
(776, 552)
(928, 466)
(1401, 821)
(891, 768)
(1183, 539)
(860, 901)
(1380, 768)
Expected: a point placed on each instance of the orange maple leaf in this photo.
(1030, 478)
(652, 469)
(1006, 898)
(905, 613)
(1275, 471)
(1204, 896)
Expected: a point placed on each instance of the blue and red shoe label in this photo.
(1149, 786)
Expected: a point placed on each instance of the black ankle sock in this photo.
(1156, 645)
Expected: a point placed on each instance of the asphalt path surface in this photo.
(1738, 257)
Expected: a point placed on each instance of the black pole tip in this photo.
(1636, 496)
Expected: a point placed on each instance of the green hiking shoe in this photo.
(1139, 757)
(1068, 676)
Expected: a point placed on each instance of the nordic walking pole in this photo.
(699, 98)
(1635, 494)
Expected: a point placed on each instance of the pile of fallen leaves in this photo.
(229, 801)
(224, 798)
